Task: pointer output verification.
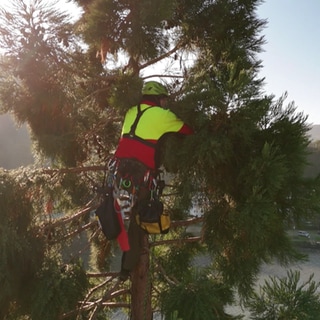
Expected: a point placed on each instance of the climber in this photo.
(136, 160)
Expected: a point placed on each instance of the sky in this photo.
(291, 54)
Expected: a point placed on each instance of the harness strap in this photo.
(136, 120)
(132, 132)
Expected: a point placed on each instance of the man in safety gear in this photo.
(142, 129)
(155, 121)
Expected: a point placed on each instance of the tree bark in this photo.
(141, 285)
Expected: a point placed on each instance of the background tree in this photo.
(286, 298)
(242, 171)
(21, 251)
(33, 280)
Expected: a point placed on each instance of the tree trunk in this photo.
(141, 285)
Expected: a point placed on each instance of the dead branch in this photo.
(73, 233)
(188, 222)
(88, 207)
(163, 56)
(99, 303)
(73, 170)
(116, 305)
(172, 280)
(102, 274)
(175, 241)
(85, 304)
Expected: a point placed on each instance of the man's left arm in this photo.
(185, 129)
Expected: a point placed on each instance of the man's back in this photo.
(154, 122)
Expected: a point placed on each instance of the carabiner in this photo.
(126, 183)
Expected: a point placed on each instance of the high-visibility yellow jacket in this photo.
(154, 122)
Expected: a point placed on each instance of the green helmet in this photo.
(154, 88)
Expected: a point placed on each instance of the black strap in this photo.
(132, 132)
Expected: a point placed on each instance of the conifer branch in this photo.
(99, 304)
(75, 232)
(180, 223)
(174, 241)
(170, 280)
(84, 303)
(73, 170)
(102, 302)
(161, 57)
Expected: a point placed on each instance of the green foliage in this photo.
(177, 260)
(174, 316)
(243, 168)
(255, 183)
(32, 283)
(45, 82)
(286, 298)
(193, 292)
(21, 246)
(130, 27)
(101, 253)
(198, 297)
(37, 89)
(58, 289)
(126, 92)
(250, 177)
